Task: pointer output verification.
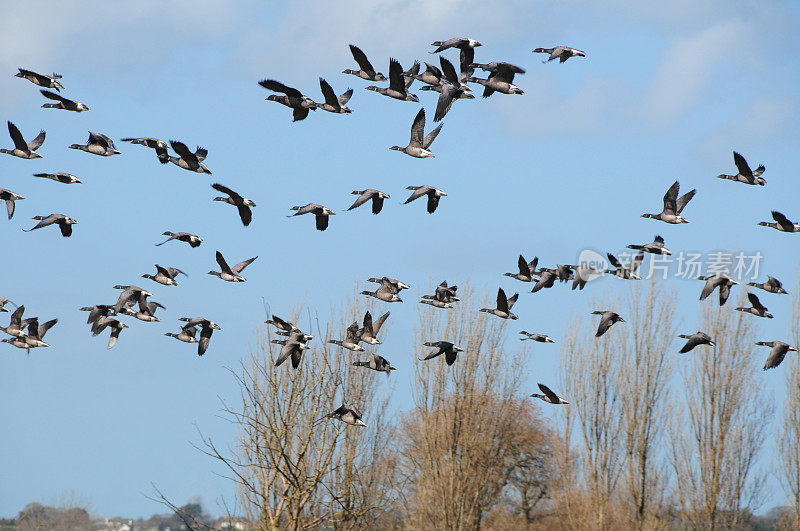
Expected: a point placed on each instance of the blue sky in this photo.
(665, 93)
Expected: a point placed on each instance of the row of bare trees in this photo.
(651, 439)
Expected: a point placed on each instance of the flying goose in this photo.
(384, 293)
(159, 146)
(431, 76)
(187, 334)
(436, 303)
(656, 247)
(376, 363)
(347, 414)
(549, 396)
(334, 103)
(98, 144)
(370, 329)
(241, 203)
(397, 84)
(36, 332)
(418, 145)
(61, 177)
(713, 282)
(772, 284)
(147, 311)
(64, 223)
(560, 52)
(525, 269)
(449, 350)
(698, 338)
(97, 311)
(130, 295)
(9, 197)
(191, 239)
(778, 352)
(541, 338)
(757, 309)
(188, 160)
(165, 275)
(22, 149)
(450, 92)
(547, 278)
(673, 205)
(292, 98)
(745, 175)
(320, 212)
(607, 319)
(16, 324)
(629, 272)
(501, 79)
(782, 223)
(291, 348)
(456, 42)
(444, 293)
(365, 195)
(43, 80)
(231, 274)
(365, 69)
(116, 327)
(391, 284)
(351, 340)
(63, 103)
(504, 305)
(433, 196)
(206, 329)
(286, 328)
(583, 274)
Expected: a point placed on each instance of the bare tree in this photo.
(293, 468)
(789, 428)
(469, 429)
(716, 439)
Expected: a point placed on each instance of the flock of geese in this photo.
(451, 85)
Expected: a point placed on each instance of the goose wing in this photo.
(361, 59)
(396, 81)
(225, 190)
(671, 199)
(238, 268)
(329, 94)
(223, 264)
(418, 129)
(549, 393)
(684, 200)
(742, 166)
(782, 220)
(277, 86)
(16, 137)
(502, 301)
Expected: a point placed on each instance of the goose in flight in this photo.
(525, 269)
(398, 85)
(60, 177)
(286, 328)
(241, 203)
(365, 195)
(292, 98)
(629, 272)
(321, 213)
(347, 414)
(449, 92)
(63, 103)
(188, 160)
(777, 353)
(191, 239)
(98, 144)
(541, 338)
(231, 274)
(698, 338)
(745, 174)
(607, 319)
(9, 197)
(165, 275)
(501, 78)
(434, 194)
(351, 340)
(418, 145)
(334, 103)
(655, 247)
(456, 42)
(757, 309)
(206, 329)
(22, 149)
(562, 53)
(504, 305)
(115, 325)
(781, 223)
(370, 330)
(187, 334)
(713, 282)
(772, 284)
(673, 205)
(365, 69)
(64, 223)
(292, 348)
(376, 363)
(159, 146)
(549, 396)
(43, 80)
(449, 350)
